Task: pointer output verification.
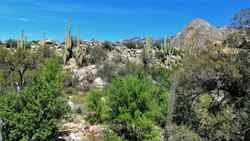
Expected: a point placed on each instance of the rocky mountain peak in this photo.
(198, 32)
(198, 23)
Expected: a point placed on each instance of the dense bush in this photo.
(15, 64)
(133, 45)
(213, 87)
(108, 70)
(111, 136)
(96, 55)
(96, 103)
(132, 107)
(33, 113)
(11, 43)
(70, 80)
(212, 90)
(182, 133)
(46, 52)
(108, 46)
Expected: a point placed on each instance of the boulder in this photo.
(98, 83)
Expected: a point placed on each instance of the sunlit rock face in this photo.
(79, 130)
(198, 33)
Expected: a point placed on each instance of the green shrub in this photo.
(131, 107)
(11, 43)
(133, 45)
(70, 80)
(108, 46)
(161, 76)
(108, 70)
(134, 105)
(96, 103)
(182, 133)
(45, 52)
(111, 136)
(96, 55)
(33, 113)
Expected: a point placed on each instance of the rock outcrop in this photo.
(79, 130)
(198, 33)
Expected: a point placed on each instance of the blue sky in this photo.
(110, 19)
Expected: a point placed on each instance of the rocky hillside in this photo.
(91, 76)
(198, 32)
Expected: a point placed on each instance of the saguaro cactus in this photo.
(68, 43)
(80, 51)
(22, 41)
(167, 49)
(79, 37)
(44, 40)
(68, 38)
(167, 52)
(147, 52)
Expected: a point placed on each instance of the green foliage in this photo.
(167, 49)
(45, 52)
(214, 126)
(96, 102)
(109, 70)
(11, 43)
(96, 55)
(86, 55)
(70, 80)
(182, 133)
(147, 53)
(162, 76)
(108, 46)
(211, 93)
(133, 107)
(18, 65)
(81, 55)
(32, 114)
(81, 51)
(15, 64)
(111, 136)
(134, 45)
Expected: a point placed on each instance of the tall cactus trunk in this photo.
(168, 135)
(68, 43)
(78, 38)
(80, 54)
(44, 40)
(147, 53)
(21, 41)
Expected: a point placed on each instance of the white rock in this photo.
(99, 83)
